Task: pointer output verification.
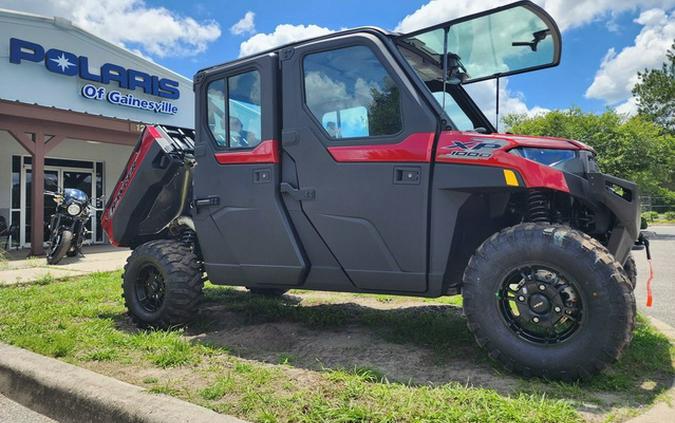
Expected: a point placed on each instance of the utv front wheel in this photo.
(162, 284)
(548, 301)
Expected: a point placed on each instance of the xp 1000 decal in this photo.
(475, 148)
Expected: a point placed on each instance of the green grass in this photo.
(83, 321)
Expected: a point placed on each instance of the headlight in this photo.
(74, 209)
(546, 156)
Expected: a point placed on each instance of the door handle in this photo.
(407, 175)
(299, 194)
(205, 202)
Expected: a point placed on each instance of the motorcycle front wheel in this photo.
(59, 246)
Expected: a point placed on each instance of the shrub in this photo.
(670, 215)
(650, 216)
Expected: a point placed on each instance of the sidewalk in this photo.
(18, 268)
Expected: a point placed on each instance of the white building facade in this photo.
(71, 108)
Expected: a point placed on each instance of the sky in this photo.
(605, 42)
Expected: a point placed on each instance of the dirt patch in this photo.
(350, 347)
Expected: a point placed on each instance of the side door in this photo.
(244, 231)
(357, 142)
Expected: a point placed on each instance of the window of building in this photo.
(351, 93)
(237, 124)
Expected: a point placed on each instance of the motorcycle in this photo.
(67, 227)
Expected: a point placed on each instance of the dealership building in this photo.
(71, 108)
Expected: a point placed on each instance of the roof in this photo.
(67, 25)
(299, 42)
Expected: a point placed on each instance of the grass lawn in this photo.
(320, 357)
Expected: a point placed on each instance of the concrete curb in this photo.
(69, 393)
(661, 412)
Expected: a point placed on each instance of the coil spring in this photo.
(187, 237)
(537, 207)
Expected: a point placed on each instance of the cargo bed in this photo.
(154, 187)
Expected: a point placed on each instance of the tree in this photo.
(655, 93)
(636, 149)
(384, 115)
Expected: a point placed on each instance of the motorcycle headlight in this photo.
(74, 209)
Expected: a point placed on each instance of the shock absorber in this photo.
(538, 206)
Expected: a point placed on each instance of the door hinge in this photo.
(299, 194)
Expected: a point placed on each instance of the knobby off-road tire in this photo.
(162, 284)
(583, 270)
(268, 292)
(57, 254)
(630, 269)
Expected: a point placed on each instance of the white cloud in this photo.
(628, 107)
(567, 13)
(152, 30)
(510, 102)
(245, 25)
(617, 75)
(283, 34)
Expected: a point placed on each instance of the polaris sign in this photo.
(68, 64)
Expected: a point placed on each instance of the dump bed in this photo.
(153, 188)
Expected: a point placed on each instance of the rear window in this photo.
(236, 124)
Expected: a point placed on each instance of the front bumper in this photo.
(621, 198)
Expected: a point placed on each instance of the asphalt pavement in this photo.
(11, 412)
(662, 243)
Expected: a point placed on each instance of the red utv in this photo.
(357, 162)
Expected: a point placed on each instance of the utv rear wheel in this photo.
(162, 284)
(268, 292)
(548, 301)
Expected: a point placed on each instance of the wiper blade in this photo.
(538, 36)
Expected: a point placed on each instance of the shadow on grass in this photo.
(415, 345)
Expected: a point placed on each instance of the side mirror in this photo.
(456, 72)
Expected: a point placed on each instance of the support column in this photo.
(37, 144)
(37, 196)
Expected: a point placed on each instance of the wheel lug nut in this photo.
(542, 287)
(521, 298)
(557, 309)
(535, 319)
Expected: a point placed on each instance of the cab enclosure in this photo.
(357, 162)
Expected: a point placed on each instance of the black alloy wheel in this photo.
(150, 288)
(540, 305)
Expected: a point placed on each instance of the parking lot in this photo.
(663, 261)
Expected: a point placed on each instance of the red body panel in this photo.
(149, 135)
(415, 148)
(266, 152)
(534, 175)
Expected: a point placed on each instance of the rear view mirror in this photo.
(516, 38)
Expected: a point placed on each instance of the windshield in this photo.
(457, 104)
(504, 41)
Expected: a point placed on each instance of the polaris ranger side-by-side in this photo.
(357, 162)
